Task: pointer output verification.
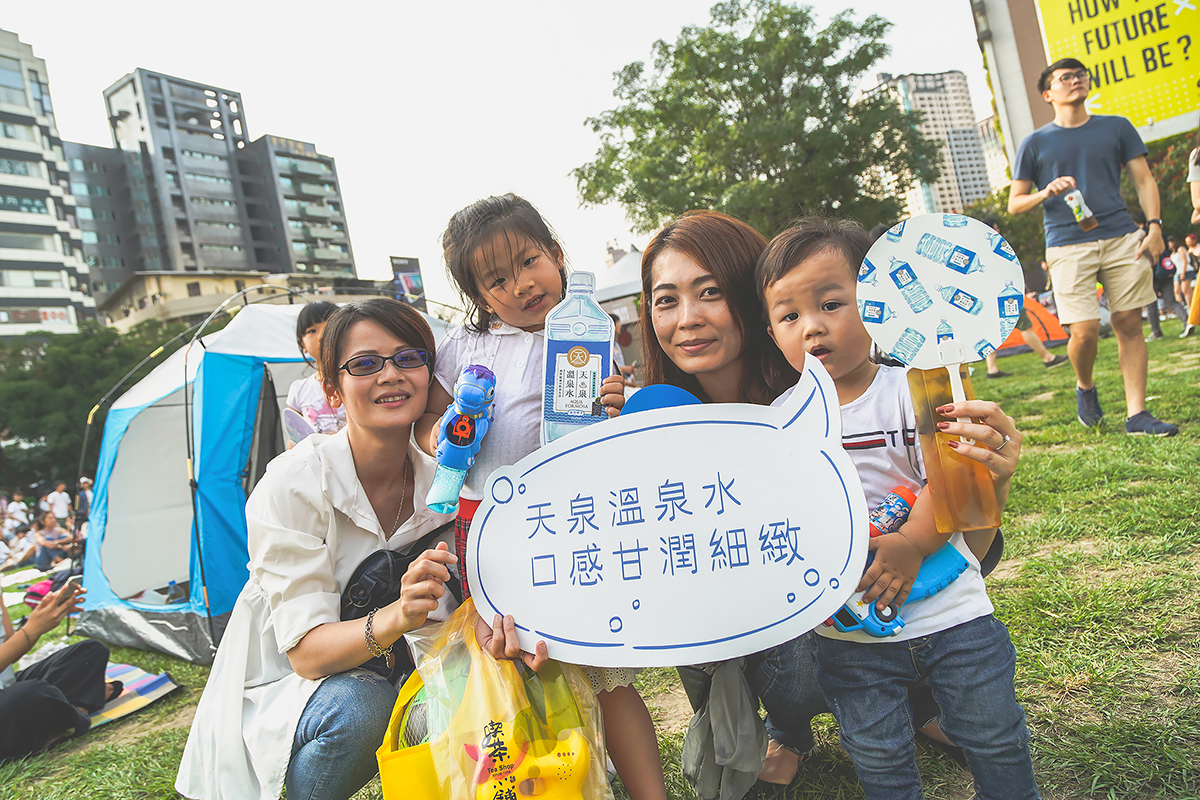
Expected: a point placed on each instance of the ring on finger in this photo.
(1003, 444)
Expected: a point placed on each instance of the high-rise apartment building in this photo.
(214, 200)
(43, 278)
(189, 136)
(948, 118)
(296, 188)
(994, 157)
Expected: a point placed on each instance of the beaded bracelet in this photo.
(373, 646)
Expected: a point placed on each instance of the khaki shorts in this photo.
(1075, 269)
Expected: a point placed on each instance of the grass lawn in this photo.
(1098, 589)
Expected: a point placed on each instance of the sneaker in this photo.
(1087, 403)
(1188, 330)
(1145, 424)
(1154, 337)
(999, 374)
(1057, 361)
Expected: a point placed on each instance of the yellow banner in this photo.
(1143, 56)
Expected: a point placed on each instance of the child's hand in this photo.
(499, 640)
(890, 576)
(612, 394)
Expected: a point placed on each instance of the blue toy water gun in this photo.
(938, 571)
(460, 435)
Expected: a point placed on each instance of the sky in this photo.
(427, 107)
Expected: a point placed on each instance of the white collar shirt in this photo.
(310, 525)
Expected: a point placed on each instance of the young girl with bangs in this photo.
(510, 271)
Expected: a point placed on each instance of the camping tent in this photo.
(1045, 325)
(152, 562)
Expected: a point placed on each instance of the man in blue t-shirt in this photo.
(1085, 152)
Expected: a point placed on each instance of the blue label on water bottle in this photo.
(876, 311)
(574, 372)
(866, 273)
(961, 260)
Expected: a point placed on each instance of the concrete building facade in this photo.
(44, 281)
(295, 190)
(1010, 37)
(189, 297)
(994, 158)
(189, 136)
(949, 119)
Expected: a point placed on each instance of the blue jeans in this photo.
(333, 752)
(785, 681)
(970, 669)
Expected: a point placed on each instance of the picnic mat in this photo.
(141, 689)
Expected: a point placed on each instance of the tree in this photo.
(754, 116)
(48, 386)
(1168, 160)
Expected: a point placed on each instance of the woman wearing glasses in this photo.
(288, 701)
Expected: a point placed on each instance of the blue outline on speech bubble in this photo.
(479, 534)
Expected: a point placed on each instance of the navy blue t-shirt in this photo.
(1093, 155)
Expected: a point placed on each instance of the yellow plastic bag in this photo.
(499, 731)
(405, 764)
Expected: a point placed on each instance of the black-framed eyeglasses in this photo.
(361, 366)
(1071, 77)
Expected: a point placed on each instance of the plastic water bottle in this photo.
(954, 221)
(948, 254)
(985, 348)
(1001, 247)
(964, 498)
(906, 281)
(867, 272)
(875, 311)
(578, 350)
(906, 347)
(944, 331)
(963, 301)
(895, 232)
(1010, 302)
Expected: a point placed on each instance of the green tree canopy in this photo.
(753, 116)
(48, 386)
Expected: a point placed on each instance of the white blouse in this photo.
(309, 527)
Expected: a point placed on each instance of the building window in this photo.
(91, 237)
(12, 86)
(193, 289)
(192, 176)
(203, 156)
(108, 263)
(11, 130)
(26, 241)
(227, 248)
(212, 201)
(12, 166)
(27, 205)
(239, 285)
(81, 188)
(208, 223)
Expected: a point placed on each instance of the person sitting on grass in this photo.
(54, 543)
(291, 700)
(807, 280)
(51, 700)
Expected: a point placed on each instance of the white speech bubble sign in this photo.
(678, 535)
(940, 289)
